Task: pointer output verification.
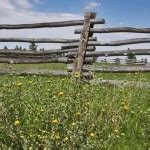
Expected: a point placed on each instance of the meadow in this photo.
(65, 113)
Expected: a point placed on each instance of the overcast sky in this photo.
(134, 13)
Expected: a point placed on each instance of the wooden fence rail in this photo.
(50, 24)
(88, 60)
(121, 69)
(39, 53)
(78, 51)
(41, 72)
(111, 43)
(114, 30)
(43, 40)
(113, 53)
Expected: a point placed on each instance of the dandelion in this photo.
(42, 110)
(30, 82)
(126, 107)
(61, 94)
(55, 121)
(19, 84)
(77, 74)
(30, 148)
(48, 90)
(63, 79)
(88, 103)
(73, 124)
(57, 136)
(92, 135)
(21, 136)
(10, 67)
(123, 134)
(17, 122)
(78, 114)
(66, 139)
(116, 131)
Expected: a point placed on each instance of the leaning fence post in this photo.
(79, 60)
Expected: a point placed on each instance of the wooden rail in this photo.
(118, 69)
(49, 24)
(39, 53)
(111, 43)
(114, 30)
(113, 53)
(41, 72)
(43, 40)
(121, 83)
(66, 60)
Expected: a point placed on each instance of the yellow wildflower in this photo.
(116, 131)
(77, 74)
(30, 82)
(19, 84)
(73, 124)
(17, 122)
(30, 148)
(21, 136)
(66, 139)
(55, 121)
(61, 94)
(48, 90)
(57, 137)
(126, 107)
(92, 135)
(78, 114)
(10, 67)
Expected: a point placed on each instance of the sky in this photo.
(132, 13)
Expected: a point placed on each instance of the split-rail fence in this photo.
(81, 53)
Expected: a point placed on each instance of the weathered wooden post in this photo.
(79, 60)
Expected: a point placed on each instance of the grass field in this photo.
(64, 113)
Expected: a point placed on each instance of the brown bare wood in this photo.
(112, 53)
(40, 53)
(89, 48)
(40, 72)
(118, 69)
(121, 83)
(43, 40)
(66, 60)
(78, 62)
(111, 43)
(49, 24)
(117, 29)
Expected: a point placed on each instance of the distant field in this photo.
(63, 113)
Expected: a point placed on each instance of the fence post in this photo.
(79, 60)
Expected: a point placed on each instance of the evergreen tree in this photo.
(16, 48)
(24, 49)
(33, 46)
(5, 48)
(20, 48)
(131, 56)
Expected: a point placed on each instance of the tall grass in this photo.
(64, 113)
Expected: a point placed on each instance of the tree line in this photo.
(32, 47)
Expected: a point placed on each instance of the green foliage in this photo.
(131, 56)
(33, 46)
(63, 113)
(5, 48)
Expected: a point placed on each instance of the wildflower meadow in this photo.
(49, 113)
